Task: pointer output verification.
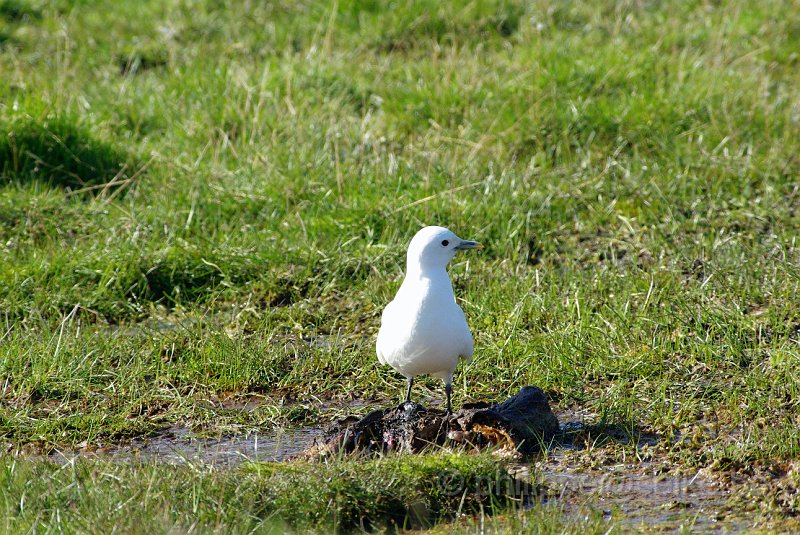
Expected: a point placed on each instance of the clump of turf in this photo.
(58, 152)
(390, 492)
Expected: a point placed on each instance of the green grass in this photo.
(263, 498)
(200, 199)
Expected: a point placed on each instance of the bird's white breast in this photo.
(423, 330)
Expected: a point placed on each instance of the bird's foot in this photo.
(410, 407)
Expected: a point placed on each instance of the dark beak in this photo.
(466, 245)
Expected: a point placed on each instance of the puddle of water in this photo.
(181, 446)
(640, 495)
(643, 495)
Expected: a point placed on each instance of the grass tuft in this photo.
(392, 492)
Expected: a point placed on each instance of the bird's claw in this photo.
(409, 408)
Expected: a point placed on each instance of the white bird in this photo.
(423, 330)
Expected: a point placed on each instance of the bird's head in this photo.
(434, 247)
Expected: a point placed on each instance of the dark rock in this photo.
(523, 423)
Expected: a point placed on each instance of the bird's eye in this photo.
(445, 243)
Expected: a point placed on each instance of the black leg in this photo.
(448, 389)
(408, 394)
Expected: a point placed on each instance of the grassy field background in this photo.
(207, 201)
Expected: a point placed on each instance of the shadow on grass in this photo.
(18, 11)
(58, 152)
(429, 22)
(577, 435)
(141, 60)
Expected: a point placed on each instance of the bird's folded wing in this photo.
(466, 352)
(385, 320)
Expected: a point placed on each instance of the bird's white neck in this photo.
(418, 269)
(419, 278)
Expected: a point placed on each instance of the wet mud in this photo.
(640, 495)
(181, 446)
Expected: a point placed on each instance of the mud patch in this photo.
(181, 446)
(644, 495)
